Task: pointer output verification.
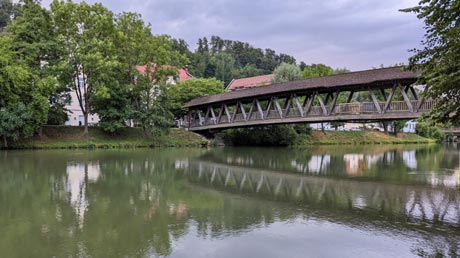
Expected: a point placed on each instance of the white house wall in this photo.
(75, 115)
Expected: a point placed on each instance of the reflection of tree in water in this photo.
(356, 203)
(141, 202)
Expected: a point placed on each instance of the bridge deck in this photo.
(314, 100)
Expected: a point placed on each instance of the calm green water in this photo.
(390, 201)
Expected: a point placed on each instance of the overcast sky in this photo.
(357, 34)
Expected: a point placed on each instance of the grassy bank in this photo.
(358, 137)
(61, 137)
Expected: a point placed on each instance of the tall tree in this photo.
(6, 11)
(23, 97)
(224, 65)
(150, 101)
(87, 62)
(250, 70)
(33, 41)
(438, 60)
(189, 89)
(132, 47)
(316, 70)
(287, 72)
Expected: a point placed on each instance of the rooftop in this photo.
(182, 74)
(250, 82)
(369, 78)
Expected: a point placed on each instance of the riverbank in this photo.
(69, 137)
(360, 137)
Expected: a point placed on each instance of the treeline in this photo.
(228, 59)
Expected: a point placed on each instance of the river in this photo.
(337, 201)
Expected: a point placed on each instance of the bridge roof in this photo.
(375, 78)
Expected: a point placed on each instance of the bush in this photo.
(432, 132)
(304, 129)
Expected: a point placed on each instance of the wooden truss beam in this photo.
(375, 101)
(321, 103)
(406, 98)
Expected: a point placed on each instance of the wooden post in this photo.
(376, 103)
(278, 107)
(350, 97)
(387, 103)
(299, 106)
(213, 115)
(251, 110)
(321, 103)
(268, 108)
(406, 99)
(259, 108)
(334, 101)
(227, 112)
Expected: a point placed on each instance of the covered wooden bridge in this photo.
(365, 96)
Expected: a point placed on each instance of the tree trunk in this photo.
(40, 131)
(85, 118)
(5, 142)
(385, 127)
(322, 127)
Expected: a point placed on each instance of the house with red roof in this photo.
(250, 82)
(182, 74)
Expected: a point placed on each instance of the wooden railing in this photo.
(417, 106)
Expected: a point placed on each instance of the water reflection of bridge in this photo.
(410, 203)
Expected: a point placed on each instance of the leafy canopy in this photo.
(287, 72)
(439, 58)
(189, 89)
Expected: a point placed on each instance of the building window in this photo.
(81, 82)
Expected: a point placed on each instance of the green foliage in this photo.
(398, 126)
(33, 37)
(57, 114)
(224, 65)
(438, 60)
(87, 60)
(287, 72)
(243, 54)
(317, 70)
(424, 129)
(113, 110)
(341, 70)
(303, 129)
(154, 114)
(23, 101)
(250, 70)
(14, 121)
(133, 96)
(273, 135)
(6, 8)
(189, 89)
